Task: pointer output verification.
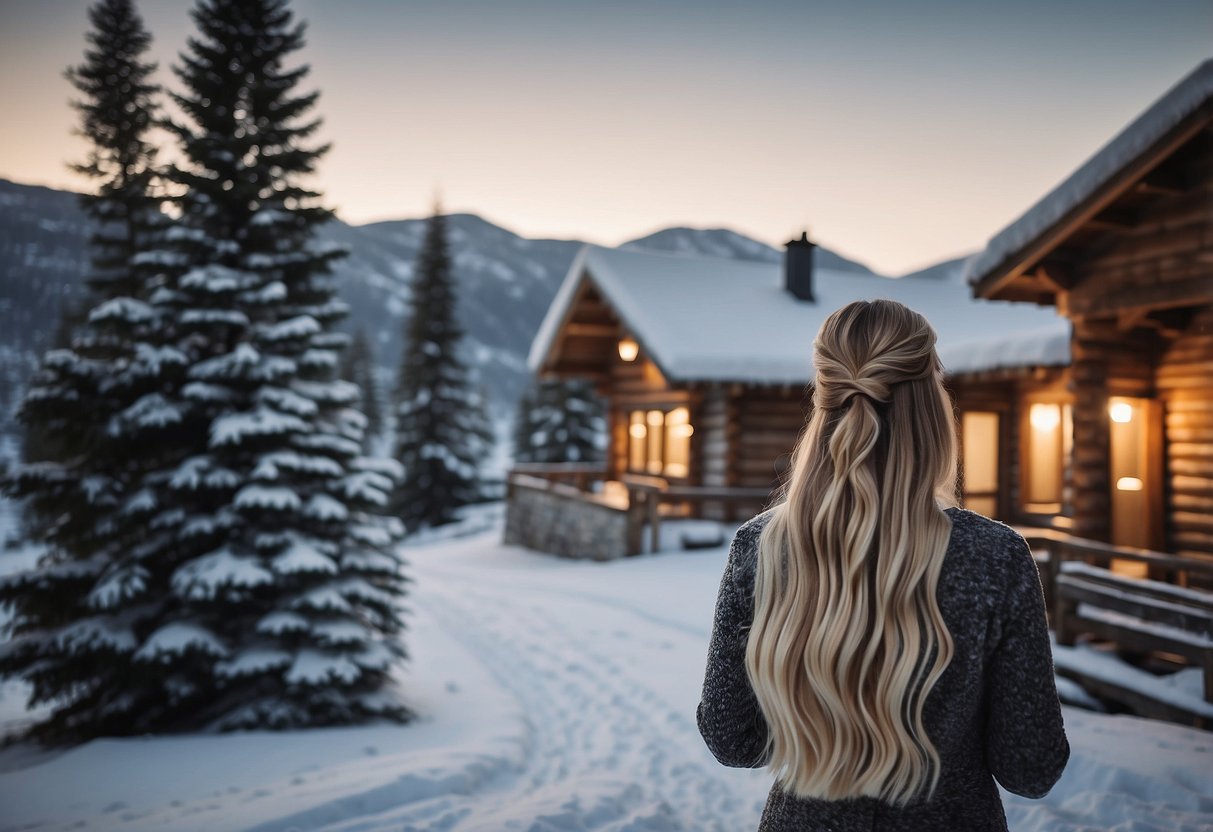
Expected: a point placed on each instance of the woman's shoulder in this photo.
(980, 527)
(991, 548)
(743, 553)
(748, 532)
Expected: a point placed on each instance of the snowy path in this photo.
(554, 696)
(596, 726)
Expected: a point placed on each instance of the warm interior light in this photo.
(1044, 416)
(655, 417)
(628, 349)
(1121, 412)
(637, 430)
(1128, 484)
(677, 442)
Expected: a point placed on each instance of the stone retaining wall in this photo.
(559, 519)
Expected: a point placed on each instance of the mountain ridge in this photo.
(505, 281)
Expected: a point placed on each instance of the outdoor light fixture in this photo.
(1121, 412)
(628, 349)
(1044, 416)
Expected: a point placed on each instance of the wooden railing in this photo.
(580, 475)
(1062, 546)
(646, 494)
(1160, 614)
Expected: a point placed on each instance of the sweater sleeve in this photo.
(1026, 746)
(729, 717)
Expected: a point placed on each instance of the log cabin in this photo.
(705, 365)
(1123, 248)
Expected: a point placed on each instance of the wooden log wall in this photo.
(1185, 384)
(711, 425)
(639, 380)
(768, 422)
(1012, 475)
(617, 459)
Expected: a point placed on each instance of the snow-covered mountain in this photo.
(723, 242)
(506, 281)
(950, 271)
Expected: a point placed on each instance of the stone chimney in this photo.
(798, 267)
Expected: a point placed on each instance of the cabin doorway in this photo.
(1135, 473)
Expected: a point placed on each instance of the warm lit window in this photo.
(1046, 451)
(652, 462)
(636, 436)
(659, 442)
(1132, 511)
(678, 432)
(979, 437)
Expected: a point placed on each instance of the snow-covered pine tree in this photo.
(523, 446)
(80, 480)
(442, 431)
(118, 110)
(247, 580)
(117, 107)
(560, 421)
(358, 365)
(40, 441)
(282, 574)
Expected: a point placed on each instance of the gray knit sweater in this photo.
(994, 711)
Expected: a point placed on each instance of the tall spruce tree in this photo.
(559, 421)
(284, 574)
(67, 641)
(255, 584)
(117, 107)
(358, 365)
(442, 430)
(118, 110)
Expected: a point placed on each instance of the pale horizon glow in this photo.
(899, 134)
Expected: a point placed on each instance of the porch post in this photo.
(1090, 470)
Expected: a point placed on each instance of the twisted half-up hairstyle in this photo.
(847, 638)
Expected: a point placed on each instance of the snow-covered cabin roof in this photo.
(1135, 141)
(713, 319)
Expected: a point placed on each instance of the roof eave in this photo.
(996, 278)
(538, 358)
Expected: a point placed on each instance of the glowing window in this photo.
(1048, 445)
(979, 436)
(637, 431)
(659, 442)
(678, 432)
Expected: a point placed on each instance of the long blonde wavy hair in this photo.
(847, 638)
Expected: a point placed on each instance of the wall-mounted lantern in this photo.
(1045, 417)
(628, 349)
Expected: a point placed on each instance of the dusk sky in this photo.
(899, 133)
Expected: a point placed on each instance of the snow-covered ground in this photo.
(554, 695)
